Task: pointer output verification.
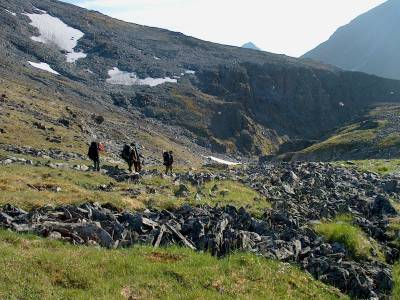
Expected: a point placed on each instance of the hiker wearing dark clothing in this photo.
(94, 155)
(168, 161)
(136, 156)
(132, 156)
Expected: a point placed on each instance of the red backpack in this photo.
(102, 148)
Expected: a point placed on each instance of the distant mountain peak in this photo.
(251, 45)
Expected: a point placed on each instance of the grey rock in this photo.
(55, 235)
(382, 206)
(95, 233)
(5, 219)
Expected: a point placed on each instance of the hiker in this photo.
(168, 161)
(132, 156)
(94, 154)
(136, 155)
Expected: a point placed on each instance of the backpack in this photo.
(93, 150)
(126, 152)
(167, 158)
(101, 147)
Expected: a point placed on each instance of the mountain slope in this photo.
(373, 136)
(369, 43)
(205, 96)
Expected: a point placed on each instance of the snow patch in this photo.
(222, 161)
(10, 12)
(43, 66)
(54, 31)
(119, 77)
(41, 10)
(190, 72)
(74, 56)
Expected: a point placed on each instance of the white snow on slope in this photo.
(222, 162)
(43, 66)
(54, 31)
(126, 78)
(10, 12)
(41, 10)
(74, 56)
(190, 72)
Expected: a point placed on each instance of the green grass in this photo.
(393, 229)
(16, 183)
(360, 135)
(226, 193)
(26, 105)
(357, 243)
(379, 166)
(236, 194)
(396, 277)
(346, 139)
(44, 269)
(392, 140)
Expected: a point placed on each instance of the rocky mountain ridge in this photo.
(225, 99)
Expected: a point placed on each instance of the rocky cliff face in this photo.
(297, 101)
(227, 99)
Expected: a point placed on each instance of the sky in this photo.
(290, 27)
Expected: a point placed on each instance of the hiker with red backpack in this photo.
(94, 154)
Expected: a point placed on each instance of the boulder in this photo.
(382, 206)
(95, 233)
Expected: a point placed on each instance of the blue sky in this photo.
(290, 27)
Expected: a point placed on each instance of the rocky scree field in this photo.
(338, 224)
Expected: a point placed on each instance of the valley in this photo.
(286, 176)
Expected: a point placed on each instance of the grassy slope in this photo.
(29, 186)
(43, 269)
(343, 141)
(379, 166)
(343, 231)
(26, 105)
(376, 133)
(396, 276)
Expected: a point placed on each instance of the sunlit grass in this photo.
(356, 242)
(43, 269)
